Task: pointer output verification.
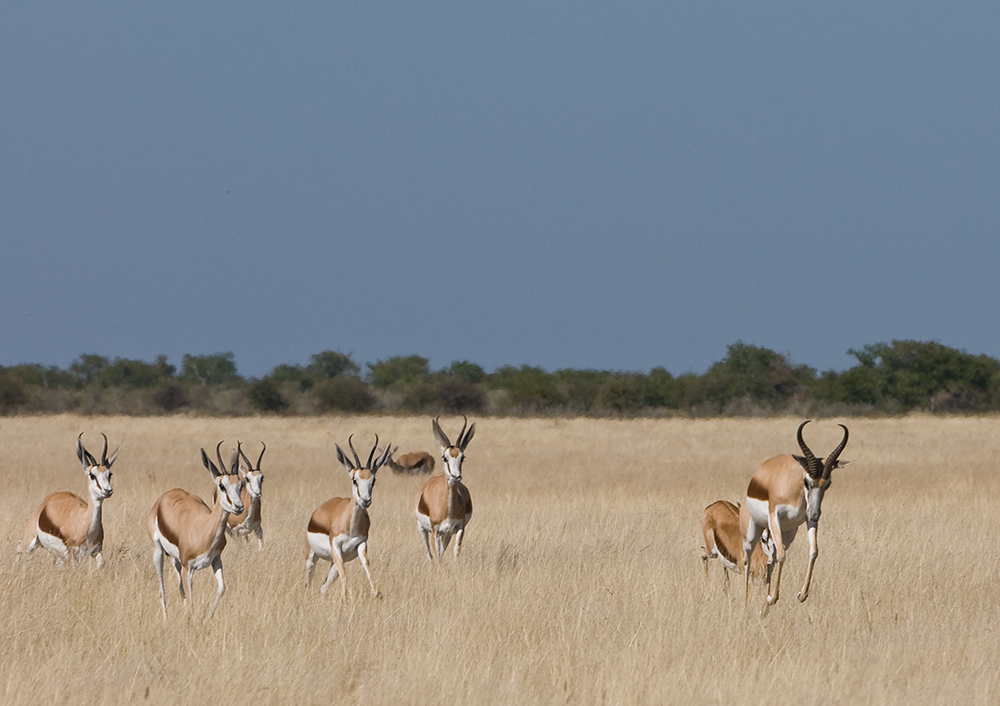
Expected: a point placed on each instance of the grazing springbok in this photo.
(65, 524)
(338, 529)
(413, 463)
(444, 506)
(243, 523)
(720, 524)
(193, 534)
(786, 491)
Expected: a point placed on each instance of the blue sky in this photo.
(565, 184)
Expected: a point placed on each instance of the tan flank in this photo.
(241, 524)
(191, 533)
(785, 492)
(444, 505)
(67, 525)
(720, 525)
(338, 529)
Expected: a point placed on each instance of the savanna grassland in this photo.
(580, 579)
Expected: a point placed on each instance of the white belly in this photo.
(344, 545)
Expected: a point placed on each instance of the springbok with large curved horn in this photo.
(65, 524)
(338, 529)
(444, 505)
(720, 525)
(786, 491)
(243, 523)
(193, 534)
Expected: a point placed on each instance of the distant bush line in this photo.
(891, 378)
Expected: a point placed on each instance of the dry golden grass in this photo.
(580, 580)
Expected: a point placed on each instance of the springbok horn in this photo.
(831, 460)
(465, 423)
(234, 462)
(261, 455)
(372, 454)
(104, 454)
(814, 469)
(357, 461)
(439, 431)
(218, 454)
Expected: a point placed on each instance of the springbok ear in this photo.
(841, 464)
(209, 465)
(468, 437)
(344, 459)
(86, 459)
(441, 437)
(382, 459)
(114, 457)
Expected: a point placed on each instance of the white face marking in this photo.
(254, 480)
(99, 482)
(453, 458)
(361, 488)
(230, 487)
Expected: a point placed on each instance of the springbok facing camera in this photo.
(413, 463)
(784, 492)
(338, 529)
(65, 524)
(193, 534)
(243, 523)
(720, 525)
(444, 505)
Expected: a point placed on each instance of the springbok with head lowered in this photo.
(65, 524)
(243, 523)
(413, 463)
(338, 529)
(444, 505)
(786, 491)
(191, 533)
(720, 525)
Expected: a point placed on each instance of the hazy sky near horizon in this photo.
(563, 184)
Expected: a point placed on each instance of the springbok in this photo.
(444, 506)
(65, 524)
(193, 534)
(243, 523)
(338, 529)
(720, 524)
(413, 463)
(786, 491)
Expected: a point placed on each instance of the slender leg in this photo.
(188, 577)
(749, 542)
(779, 558)
(180, 577)
(220, 584)
(458, 541)
(363, 555)
(426, 536)
(310, 565)
(158, 567)
(813, 553)
(334, 573)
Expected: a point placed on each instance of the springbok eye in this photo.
(92, 477)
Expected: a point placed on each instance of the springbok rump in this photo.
(720, 525)
(66, 525)
(413, 463)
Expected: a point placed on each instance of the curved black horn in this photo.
(245, 459)
(357, 461)
(831, 460)
(104, 454)
(813, 468)
(372, 454)
(261, 454)
(465, 423)
(234, 462)
(86, 458)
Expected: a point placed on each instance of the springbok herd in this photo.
(785, 492)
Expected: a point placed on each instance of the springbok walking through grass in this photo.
(243, 523)
(786, 491)
(191, 533)
(444, 505)
(338, 529)
(65, 524)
